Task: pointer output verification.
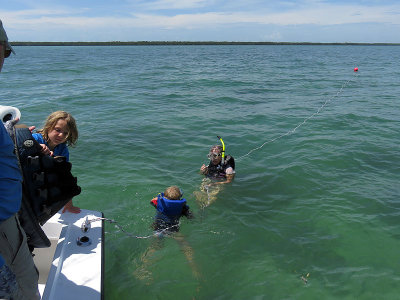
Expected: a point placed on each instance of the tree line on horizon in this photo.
(160, 43)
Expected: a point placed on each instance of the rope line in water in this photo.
(86, 226)
(305, 120)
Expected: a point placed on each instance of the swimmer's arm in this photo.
(230, 174)
(229, 179)
(204, 169)
(186, 212)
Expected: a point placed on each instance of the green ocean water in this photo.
(313, 212)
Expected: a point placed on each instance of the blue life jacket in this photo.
(170, 208)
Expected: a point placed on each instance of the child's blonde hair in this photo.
(173, 193)
(51, 122)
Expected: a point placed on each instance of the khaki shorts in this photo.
(14, 249)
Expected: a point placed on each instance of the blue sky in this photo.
(202, 20)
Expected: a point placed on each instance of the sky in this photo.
(325, 21)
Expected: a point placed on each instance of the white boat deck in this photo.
(68, 270)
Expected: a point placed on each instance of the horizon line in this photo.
(133, 43)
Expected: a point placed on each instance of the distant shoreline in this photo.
(161, 43)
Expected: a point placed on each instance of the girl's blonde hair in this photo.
(51, 122)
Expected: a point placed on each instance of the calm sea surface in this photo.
(312, 214)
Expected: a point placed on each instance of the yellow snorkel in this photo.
(223, 149)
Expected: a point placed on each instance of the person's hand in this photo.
(203, 169)
(45, 150)
(71, 208)
(31, 128)
(154, 202)
(8, 283)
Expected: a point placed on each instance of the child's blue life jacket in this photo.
(168, 210)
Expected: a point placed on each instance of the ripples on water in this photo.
(321, 202)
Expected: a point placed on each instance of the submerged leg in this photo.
(188, 252)
(142, 272)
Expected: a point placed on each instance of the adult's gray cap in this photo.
(4, 39)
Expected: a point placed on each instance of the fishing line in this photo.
(305, 119)
(86, 227)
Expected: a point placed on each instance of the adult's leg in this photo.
(14, 249)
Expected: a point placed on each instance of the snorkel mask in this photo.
(213, 155)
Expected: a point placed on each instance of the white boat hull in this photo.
(73, 267)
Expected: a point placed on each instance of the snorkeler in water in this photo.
(220, 170)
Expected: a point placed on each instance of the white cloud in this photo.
(326, 15)
(319, 14)
(274, 36)
(70, 21)
(336, 14)
(175, 4)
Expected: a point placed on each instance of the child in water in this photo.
(170, 207)
(58, 133)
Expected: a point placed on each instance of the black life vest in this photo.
(47, 186)
(219, 171)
